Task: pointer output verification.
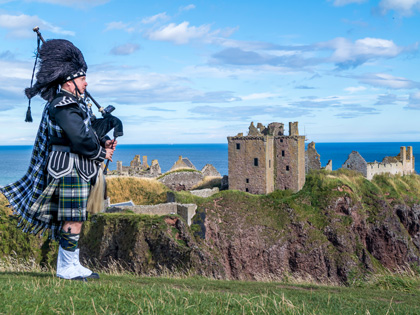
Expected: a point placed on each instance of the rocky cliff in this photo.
(339, 227)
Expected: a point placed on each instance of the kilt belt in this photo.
(61, 162)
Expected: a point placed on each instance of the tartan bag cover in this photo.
(23, 193)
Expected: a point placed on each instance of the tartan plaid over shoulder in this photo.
(23, 193)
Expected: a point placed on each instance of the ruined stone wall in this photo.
(402, 164)
(186, 211)
(269, 162)
(312, 158)
(289, 162)
(244, 153)
(293, 129)
(328, 167)
(181, 180)
(356, 162)
(382, 168)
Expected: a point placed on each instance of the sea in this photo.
(14, 160)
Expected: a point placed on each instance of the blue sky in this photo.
(199, 71)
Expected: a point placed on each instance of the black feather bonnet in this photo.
(60, 61)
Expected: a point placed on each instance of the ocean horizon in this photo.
(15, 159)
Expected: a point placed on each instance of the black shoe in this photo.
(79, 279)
(93, 275)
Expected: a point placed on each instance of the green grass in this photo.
(41, 293)
(142, 191)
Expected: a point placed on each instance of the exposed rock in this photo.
(145, 245)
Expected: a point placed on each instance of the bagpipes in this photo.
(101, 125)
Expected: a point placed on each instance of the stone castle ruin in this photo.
(137, 168)
(266, 159)
(402, 164)
(313, 159)
(183, 175)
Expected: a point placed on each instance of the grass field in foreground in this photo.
(41, 293)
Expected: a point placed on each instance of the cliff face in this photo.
(339, 227)
(145, 245)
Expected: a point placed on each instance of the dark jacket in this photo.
(74, 141)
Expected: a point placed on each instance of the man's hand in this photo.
(109, 153)
(110, 144)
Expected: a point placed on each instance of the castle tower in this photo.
(119, 167)
(409, 154)
(403, 155)
(290, 160)
(293, 129)
(266, 159)
(145, 165)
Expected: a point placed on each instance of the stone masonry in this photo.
(312, 158)
(186, 211)
(402, 164)
(266, 159)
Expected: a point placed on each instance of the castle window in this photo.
(246, 189)
(247, 180)
(281, 140)
(269, 163)
(287, 168)
(256, 162)
(238, 146)
(282, 153)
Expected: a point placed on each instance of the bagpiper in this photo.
(66, 159)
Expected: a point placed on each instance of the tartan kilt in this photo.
(70, 197)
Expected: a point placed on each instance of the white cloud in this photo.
(15, 76)
(259, 96)
(354, 89)
(119, 26)
(403, 7)
(388, 81)
(126, 49)
(347, 53)
(134, 87)
(339, 3)
(152, 19)
(20, 26)
(179, 34)
(187, 7)
(414, 101)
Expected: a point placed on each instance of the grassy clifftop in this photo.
(339, 228)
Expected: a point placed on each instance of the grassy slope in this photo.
(27, 292)
(127, 294)
(141, 191)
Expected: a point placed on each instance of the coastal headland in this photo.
(338, 228)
